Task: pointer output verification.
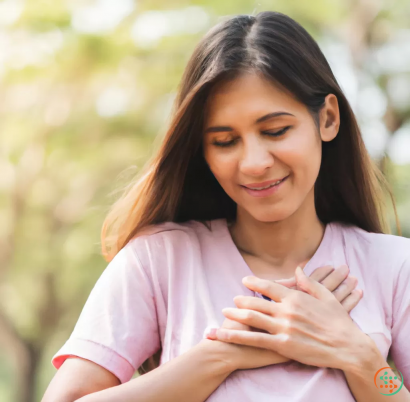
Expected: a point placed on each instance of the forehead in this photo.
(248, 94)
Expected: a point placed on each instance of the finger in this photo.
(256, 339)
(351, 301)
(255, 303)
(321, 273)
(332, 281)
(268, 288)
(312, 287)
(210, 332)
(345, 288)
(289, 282)
(252, 318)
(318, 275)
(231, 324)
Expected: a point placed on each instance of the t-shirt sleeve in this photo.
(118, 327)
(400, 349)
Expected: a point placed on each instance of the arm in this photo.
(78, 377)
(360, 377)
(360, 374)
(107, 358)
(192, 376)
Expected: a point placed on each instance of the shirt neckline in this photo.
(244, 267)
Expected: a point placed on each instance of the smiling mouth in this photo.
(268, 186)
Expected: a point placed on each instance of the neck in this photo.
(282, 244)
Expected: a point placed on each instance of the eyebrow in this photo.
(268, 116)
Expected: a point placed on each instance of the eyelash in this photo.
(275, 134)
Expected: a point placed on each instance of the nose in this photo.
(256, 158)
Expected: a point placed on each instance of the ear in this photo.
(329, 118)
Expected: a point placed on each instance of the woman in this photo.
(262, 170)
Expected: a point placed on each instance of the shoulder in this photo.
(378, 240)
(379, 248)
(169, 244)
(168, 233)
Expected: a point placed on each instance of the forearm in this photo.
(192, 376)
(360, 377)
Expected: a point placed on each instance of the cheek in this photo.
(223, 167)
(303, 156)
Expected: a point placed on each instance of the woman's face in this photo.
(243, 146)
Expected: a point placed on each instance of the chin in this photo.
(272, 216)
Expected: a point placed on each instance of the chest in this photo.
(269, 270)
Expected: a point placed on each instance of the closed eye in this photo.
(277, 133)
(269, 133)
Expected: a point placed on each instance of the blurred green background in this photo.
(86, 89)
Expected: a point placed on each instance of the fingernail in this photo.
(210, 333)
(249, 279)
(300, 270)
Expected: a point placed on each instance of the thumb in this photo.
(289, 282)
(310, 286)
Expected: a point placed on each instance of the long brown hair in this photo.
(176, 183)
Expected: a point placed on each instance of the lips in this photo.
(266, 192)
(253, 186)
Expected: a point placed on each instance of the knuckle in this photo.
(249, 314)
(287, 325)
(284, 339)
(349, 283)
(272, 310)
(353, 280)
(292, 311)
(341, 289)
(295, 298)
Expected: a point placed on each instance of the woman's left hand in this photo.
(312, 328)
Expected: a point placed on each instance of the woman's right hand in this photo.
(338, 281)
(246, 357)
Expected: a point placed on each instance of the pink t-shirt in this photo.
(165, 287)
